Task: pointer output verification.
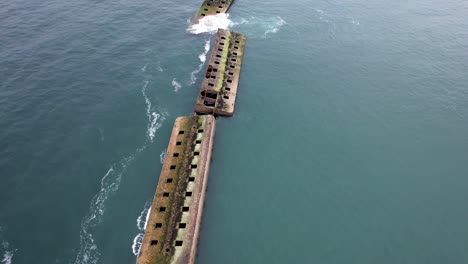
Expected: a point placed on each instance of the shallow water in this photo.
(349, 142)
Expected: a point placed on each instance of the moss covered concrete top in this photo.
(174, 220)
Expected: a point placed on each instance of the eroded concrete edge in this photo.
(180, 194)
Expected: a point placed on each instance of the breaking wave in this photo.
(142, 220)
(176, 85)
(202, 58)
(210, 24)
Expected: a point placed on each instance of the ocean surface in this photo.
(349, 143)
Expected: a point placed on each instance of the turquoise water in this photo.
(349, 143)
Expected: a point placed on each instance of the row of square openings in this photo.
(178, 243)
(217, 11)
(178, 143)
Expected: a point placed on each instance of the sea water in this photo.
(349, 143)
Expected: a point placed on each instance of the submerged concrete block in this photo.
(212, 7)
(218, 90)
(173, 225)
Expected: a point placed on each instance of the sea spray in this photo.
(142, 220)
(202, 58)
(210, 24)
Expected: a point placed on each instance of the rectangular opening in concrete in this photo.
(178, 143)
(237, 41)
(206, 103)
(158, 225)
(215, 70)
(188, 194)
(169, 180)
(191, 179)
(220, 49)
(216, 62)
(232, 66)
(223, 38)
(196, 153)
(178, 243)
(229, 81)
(211, 84)
(166, 194)
(181, 132)
(173, 167)
(233, 60)
(218, 12)
(236, 47)
(175, 155)
(235, 53)
(228, 89)
(222, 43)
(226, 97)
(182, 225)
(154, 242)
(218, 56)
(193, 166)
(231, 73)
(200, 130)
(185, 209)
(162, 209)
(198, 142)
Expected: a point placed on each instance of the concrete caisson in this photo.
(212, 7)
(173, 225)
(218, 90)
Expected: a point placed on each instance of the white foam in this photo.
(162, 156)
(136, 245)
(144, 67)
(176, 85)
(141, 225)
(8, 252)
(202, 58)
(210, 24)
(7, 257)
(154, 119)
(110, 182)
(146, 219)
(274, 27)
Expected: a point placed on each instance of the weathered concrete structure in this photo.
(219, 87)
(212, 7)
(173, 225)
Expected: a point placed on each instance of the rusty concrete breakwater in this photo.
(173, 225)
(218, 90)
